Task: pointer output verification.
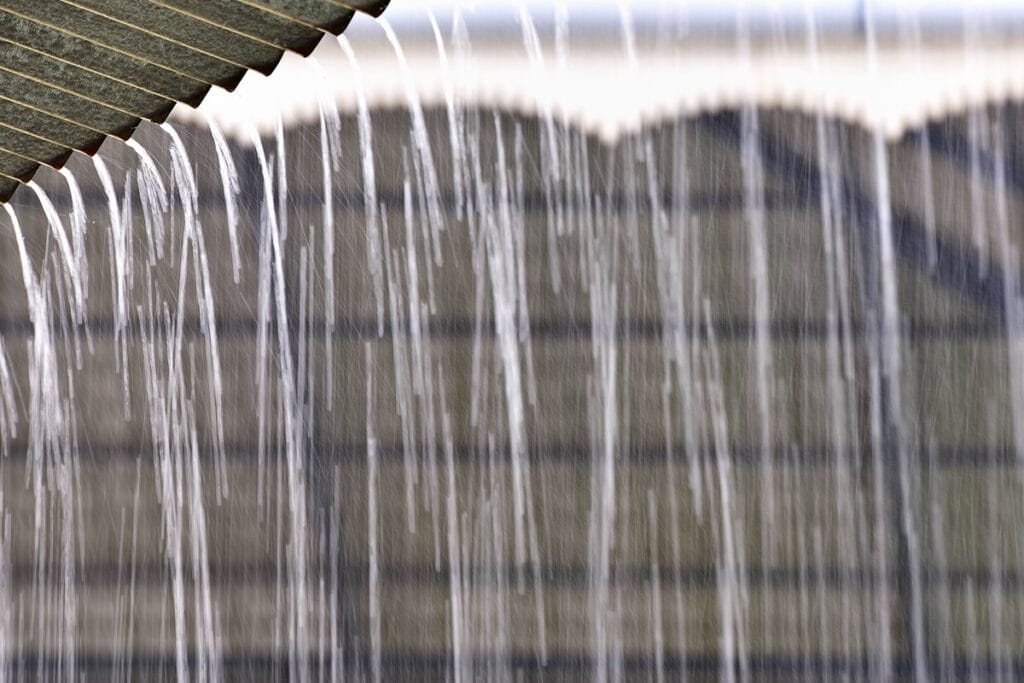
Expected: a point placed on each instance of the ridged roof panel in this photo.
(75, 71)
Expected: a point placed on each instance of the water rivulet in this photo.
(451, 392)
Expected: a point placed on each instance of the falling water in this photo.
(369, 184)
(460, 391)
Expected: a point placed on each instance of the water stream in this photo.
(442, 391)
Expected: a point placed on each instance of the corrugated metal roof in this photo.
(75, 71)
